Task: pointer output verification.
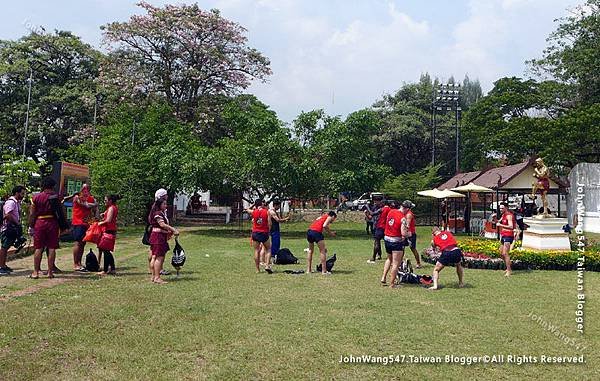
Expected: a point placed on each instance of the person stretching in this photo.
(451, 255)
(315, 235)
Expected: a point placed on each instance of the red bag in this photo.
(93, 234)
(107, 242)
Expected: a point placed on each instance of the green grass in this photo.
(220, 320)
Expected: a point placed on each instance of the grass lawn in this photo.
(220, 320)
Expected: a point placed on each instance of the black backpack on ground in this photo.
(91, 262)
(285, 257)
(329, 264)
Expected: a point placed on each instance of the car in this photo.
(364, 199)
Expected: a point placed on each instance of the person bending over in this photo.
(451, 255)
(315, 235)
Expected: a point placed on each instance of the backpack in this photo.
(285, 257)
(91, 262)
(178, 258)
(329, 264)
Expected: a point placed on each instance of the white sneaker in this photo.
(327, 273)
(371, 261)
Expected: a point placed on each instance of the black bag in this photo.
(59, 212)
(146, 236)
(91, 262)
(329, 264)
(285, 257)
(178, 258)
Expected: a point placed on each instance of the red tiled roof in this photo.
(501, 175)
(460, 179)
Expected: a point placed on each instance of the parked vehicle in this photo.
(364, 199)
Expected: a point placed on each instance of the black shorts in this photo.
(260, 237)
(7, 239)
(451, 257)
(314, 237)
(412, 241)
(504, 240)
(379, 233)
(393, 246)
(78, 232)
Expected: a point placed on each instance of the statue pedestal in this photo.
(546, 234)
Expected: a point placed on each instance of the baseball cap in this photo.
(408, 204)
(160, 193)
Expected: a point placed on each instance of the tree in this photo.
(62, 93)
(16, 171)
(573, 54)
(182, 53)
(141, 149)
(406, 185)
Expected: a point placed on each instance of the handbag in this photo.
(93, 234)
(107, 242)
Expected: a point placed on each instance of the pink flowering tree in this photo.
(181, 53)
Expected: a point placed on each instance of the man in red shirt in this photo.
(395, 233)
(43, 225)
(261, 227)
(507, 227)
(84, 205)
(407, 206)
(315, 235)
(451, 255)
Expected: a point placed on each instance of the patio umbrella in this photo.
(436, 193)
(470, 187)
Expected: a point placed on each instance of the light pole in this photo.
(446, 98)
(27, 114)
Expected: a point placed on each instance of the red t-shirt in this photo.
(260, 220)
(504, 221)
(112, 225)
(317, 224)
(383, 218)
(444, 240)
(80, 212)
(412, 227)
(393, 224)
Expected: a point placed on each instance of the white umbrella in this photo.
(470, 187)
(436, 193)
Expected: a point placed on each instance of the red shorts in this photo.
(46, 234)
(158, 244)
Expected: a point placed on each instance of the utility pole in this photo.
(28, 108)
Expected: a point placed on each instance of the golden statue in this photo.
(542, 174)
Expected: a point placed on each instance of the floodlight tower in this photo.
(446, 97)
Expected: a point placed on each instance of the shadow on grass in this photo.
(226, 232)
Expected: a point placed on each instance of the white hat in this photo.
(160, 193)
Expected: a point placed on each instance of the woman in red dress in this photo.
(109, 225)
(161, 232)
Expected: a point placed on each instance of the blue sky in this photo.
(343, 55)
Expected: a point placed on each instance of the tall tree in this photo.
(182, 53)
(63, 92)
(573, 54)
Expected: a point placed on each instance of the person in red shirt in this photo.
(395, 233)
(507, 227)
(451, 255)
(43, 226)
(261, 228)
(84, 206)
(315, 235)
(109, 225)
(407, 206)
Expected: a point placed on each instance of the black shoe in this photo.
(7, 269)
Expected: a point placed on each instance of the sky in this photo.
(342, 55)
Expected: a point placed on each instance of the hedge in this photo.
(485, 254)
